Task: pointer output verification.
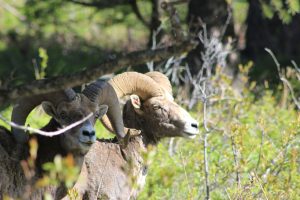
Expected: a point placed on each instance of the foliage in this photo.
(73, 36)
(253, 152)
(61, 170)
(284, 9)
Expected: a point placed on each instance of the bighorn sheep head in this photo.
(67, 107)
(152, 107)
(161, 117)
(65, 113)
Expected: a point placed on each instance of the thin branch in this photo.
(155, 23)
(100, 4)
(296, 66)
(274, 59)
(260, 149)
(178, 2)
(236, 161)
(71, 80)
(136, 10)
(175, 20)
(45, 133)
(206, 168)
(185, 173)
(205, 144)
(227, 23)
(283, 79)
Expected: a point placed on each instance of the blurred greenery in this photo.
(73, 36)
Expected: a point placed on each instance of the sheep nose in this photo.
(194, 125)
(88, 133)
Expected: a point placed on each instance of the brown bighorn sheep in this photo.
(152, 110)
(65, 107)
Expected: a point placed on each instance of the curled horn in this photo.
(24, 106)
(163, 82)
(103, 93)
(129, 83)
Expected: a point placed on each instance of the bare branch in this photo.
(205, 146)
(236, 161)
(283, 78)
(296, 66)
(71, 80)
(100, 4)
(275, 60)
(174, 19)
(45, 133)
(137, 12)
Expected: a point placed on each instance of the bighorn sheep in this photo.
(65, 107)
(108, 170)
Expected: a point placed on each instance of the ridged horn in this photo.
(103, 93)
(108, 125)
(129, 83)
(163, 82)
(24, 106)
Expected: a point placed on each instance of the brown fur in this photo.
(111, 173)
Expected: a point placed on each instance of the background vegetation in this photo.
(251, 127)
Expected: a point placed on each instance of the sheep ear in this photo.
(102, 111)
(136, 103)
(49, 108)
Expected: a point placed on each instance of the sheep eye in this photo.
(63, 115)
(156, 107)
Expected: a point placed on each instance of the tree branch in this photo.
(100, 4)
(177, 30)
(283, 78)
(71, 80)
(45, 133)
(137, 13)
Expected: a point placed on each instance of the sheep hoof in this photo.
(130, 133)
(124, 141)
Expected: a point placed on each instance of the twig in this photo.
(296, 66)
(137, 12)
(100, 4)
(275, 60)
(236, 163)
(228, 20)
(260, 149)
(185, 173)
(261, 186)
(45, 133)
(283, 79)
(227, 194)
(174, 19)
(206, 166)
